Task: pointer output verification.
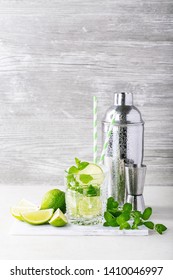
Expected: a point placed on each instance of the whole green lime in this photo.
(54, 199)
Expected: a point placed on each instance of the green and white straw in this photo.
(108, 135)
(95, 128)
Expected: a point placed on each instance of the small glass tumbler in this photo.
(85, 197)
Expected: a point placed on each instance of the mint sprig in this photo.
(126, 218)
(81, 164)
(81, 182)
(77, 161)
(74, 170)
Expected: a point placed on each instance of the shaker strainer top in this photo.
(125, 112)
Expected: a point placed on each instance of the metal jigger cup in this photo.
(135, 179)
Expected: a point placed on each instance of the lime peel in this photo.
(54, 199)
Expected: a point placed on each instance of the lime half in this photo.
(58, 219)
(94, 171)
(90, 206)
(38, 217)
(23, 206)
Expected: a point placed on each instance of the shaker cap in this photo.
(123, 98)
(124, 110)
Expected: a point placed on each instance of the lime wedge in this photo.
(16, 211)
(38, 217)
(22, 206)
(90, 206)
(58, 219)
(94, 171)
(26, 203)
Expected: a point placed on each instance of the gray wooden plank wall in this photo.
(55, 55)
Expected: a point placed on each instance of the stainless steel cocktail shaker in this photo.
(126, 143)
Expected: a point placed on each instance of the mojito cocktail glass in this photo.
(85, 193)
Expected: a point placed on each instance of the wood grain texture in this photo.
(55, 55)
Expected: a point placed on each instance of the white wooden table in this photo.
(152, 246)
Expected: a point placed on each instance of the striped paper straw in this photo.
(95, 134)
(107, 138)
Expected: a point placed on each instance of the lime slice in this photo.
(90, 206)
(94, 171)
(58, 219)
(38, 217)
(23, 206)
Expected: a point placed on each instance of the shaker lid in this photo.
(124, 110)
(123, 98)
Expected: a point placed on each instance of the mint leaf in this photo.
(77, 161)
(125, 225)
(70, 178)
(136, 214)
(160, 228)
(93, 191)
(123, 218)
(137, 221)
(76, 189)
(73, 170)
(127, 207)
(83, 165)
(110, 219)
(85, 178)
(147, 213)
(149, 225)
(106, 224)
(116, 213)
(111, 204)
